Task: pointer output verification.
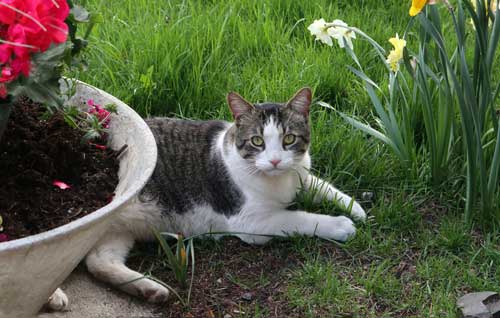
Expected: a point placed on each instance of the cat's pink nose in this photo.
(275, 162)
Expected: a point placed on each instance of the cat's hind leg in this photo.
(107, 262)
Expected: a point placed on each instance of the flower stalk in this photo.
(441, 83)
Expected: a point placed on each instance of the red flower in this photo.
(28, 26)
(5, 53)
(3, 91)
(7, 15)
(17, 34)
(3, 237)
(101, 147)
(101, 113)
(7, 75)
(21, 65)
(47, 23)
(61, 185)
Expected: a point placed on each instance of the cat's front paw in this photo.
(58, 301)
(358, 213)
(339, 228)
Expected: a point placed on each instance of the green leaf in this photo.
(112, 108)
(494, 39)
(363, 76)
(495, 166)
(91, 135)
(367, 129)
(95, 18)
(53, 54)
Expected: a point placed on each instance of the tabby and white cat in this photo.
(214, 176)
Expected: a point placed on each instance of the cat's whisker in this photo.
(251, 170)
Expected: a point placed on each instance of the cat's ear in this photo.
(301, 101)
(238, 105)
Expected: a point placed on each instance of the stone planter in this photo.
(31, 268)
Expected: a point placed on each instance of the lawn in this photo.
(412, 258)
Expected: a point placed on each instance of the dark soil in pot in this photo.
(33, 154)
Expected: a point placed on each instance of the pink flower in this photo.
(30, 26)
(8, 16)
(47, 25)
(5, 52)
(21, 65)
(61, 185)
(101, 147)
(6, 75)
(101, 113)
(16, 33)
(110, 198)
(3, 91)
(3, 237)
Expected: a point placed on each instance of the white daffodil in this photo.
(319, 29)
(341, 33)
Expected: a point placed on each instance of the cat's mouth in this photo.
(273, 171)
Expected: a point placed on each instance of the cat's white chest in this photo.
(276, 191)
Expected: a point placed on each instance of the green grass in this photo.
(414, 256)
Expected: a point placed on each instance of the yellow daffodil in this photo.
(417, 6)
(396, 55)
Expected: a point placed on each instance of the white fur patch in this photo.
(273, 138)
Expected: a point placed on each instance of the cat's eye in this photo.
(257, 141)
(289, 139)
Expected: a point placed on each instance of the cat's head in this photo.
(272, 137)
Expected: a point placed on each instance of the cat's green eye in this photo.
(289, 139)
(257, 141)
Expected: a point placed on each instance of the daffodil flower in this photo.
(418, 5)
(319, 29)
(396, 55)
(341, 33)
(337, 30)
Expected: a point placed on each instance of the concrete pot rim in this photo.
(114, 205)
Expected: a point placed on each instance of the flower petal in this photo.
(61, 185)
(417, 6)
(3, 237)
(3, 91)
(101, 147)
